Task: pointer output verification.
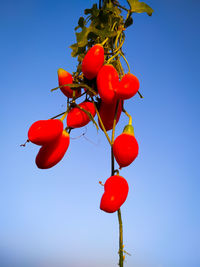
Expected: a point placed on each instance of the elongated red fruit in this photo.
(107, 114)
(65, 77)
(44, 131)
(125, 147)
(77, 118)
(107, 83)
(93, 61)
(116, 191)
(49, 155)
(128, 86)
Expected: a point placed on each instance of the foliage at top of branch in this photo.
(102, 23)
(139, 7)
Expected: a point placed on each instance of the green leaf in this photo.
(74, 48)
(94, 11)
(128, 22)
(81, 37)
(139, 7)
(100, 28)
(87, 11)
(81, 22)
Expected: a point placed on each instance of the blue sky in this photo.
(52, 217)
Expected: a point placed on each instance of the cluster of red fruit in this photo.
(54, 139)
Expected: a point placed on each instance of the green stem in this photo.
(64, 116)
(141, 96)
(100, 120)
(127, 16)
(115, 55)
(122, 7)
(121, 68)
(114, 122)
(129, 70)
(117, 38)
(74, 86)
(57, 116)
(103, 43)
(120, 46)
(128, 115)
(113, 26)
(112, 162)
(121, 260)
(89, 115)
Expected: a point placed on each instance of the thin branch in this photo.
(141, 96)
(101, 123)
(88, 114)
(121, 252)
(122, 7)
(121, 258)
(114, 122)
(57, 115)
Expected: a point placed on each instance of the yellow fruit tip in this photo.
(61, 71)
(65, 133)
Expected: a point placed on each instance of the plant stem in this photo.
(141, 96)
(122, 7)
(121, 261)
(120, 46)
(128, 115)
(112, 162)
(111, 58)
(114, 122)
(76, 86)
(57, 115)
(89, 115)
(100, 120)
(103, 43)
(129, 70)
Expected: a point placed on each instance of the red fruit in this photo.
(107, 114)
(93, 61)
(125, 147)
(77, 118)
(107, 83)
(128, 86)
(65, 77)
(45, 131)
(116, 191)
(49, 155)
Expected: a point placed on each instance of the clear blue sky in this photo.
(52, 217)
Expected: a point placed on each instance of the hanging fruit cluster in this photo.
(101, 80)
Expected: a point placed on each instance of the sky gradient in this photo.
(51, 218)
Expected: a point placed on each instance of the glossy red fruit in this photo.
(77, 118)
(125, 147)
(65, 77)
(49, 155)
(107, 114)
(107, 83)
(116, 191)
(93, 61)
(44, 131)
(128, 86)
